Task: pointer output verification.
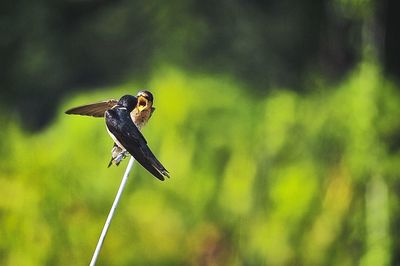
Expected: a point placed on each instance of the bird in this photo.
(140, 115)
(127, 136)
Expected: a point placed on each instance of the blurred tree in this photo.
(49, 48)
(289, 179)
(391, 37)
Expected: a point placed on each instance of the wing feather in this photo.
(94, 109)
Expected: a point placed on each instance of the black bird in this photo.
(128, 137)
(140, 115)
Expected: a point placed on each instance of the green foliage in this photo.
(288, 179)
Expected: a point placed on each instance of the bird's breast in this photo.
(140, 118)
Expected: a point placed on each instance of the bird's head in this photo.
(144, 100)
(128, 101)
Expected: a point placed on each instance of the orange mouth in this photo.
(143, 103)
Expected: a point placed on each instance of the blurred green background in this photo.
(279, 122)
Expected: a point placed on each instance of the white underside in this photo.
(115, 139)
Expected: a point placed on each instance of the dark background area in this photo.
(50, 48)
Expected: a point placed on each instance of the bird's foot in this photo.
(122, 155)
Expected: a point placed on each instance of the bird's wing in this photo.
(94, 109)
(124, 130)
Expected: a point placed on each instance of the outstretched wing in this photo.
(124, 130)
(94, 109)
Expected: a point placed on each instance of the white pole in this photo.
(111, 214)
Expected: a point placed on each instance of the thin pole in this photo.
(111, 214)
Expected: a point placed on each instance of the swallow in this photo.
(140, 115)
(127, 136)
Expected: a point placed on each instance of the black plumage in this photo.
(127, 135)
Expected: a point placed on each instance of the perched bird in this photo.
(144, 108)
(128, 137)
(140, 115)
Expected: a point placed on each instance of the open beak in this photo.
(143, 103)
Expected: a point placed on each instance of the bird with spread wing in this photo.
(124, 119)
